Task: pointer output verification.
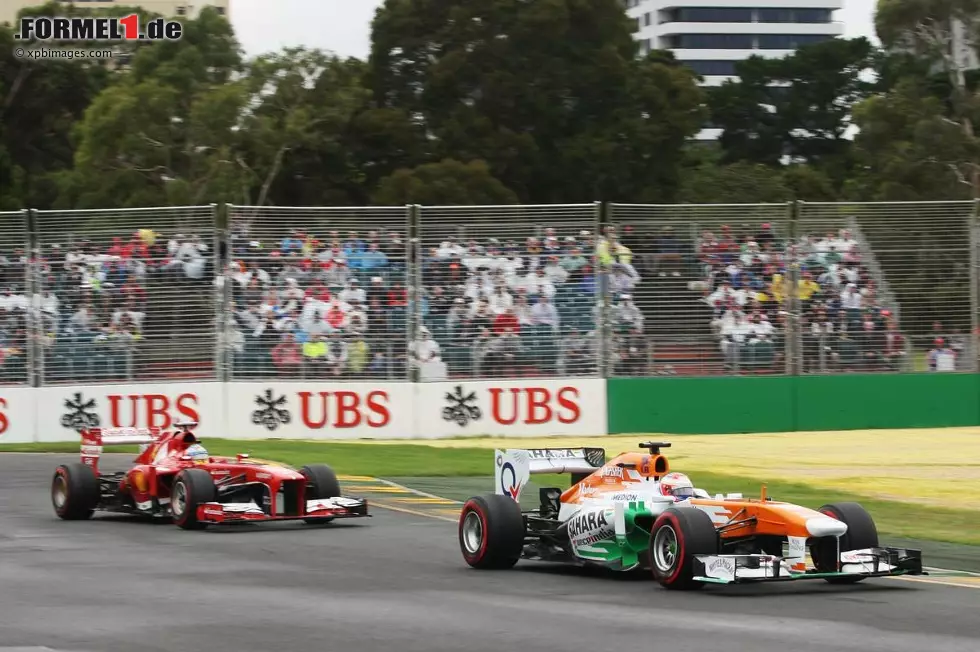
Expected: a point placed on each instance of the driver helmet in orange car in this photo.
(677, 485)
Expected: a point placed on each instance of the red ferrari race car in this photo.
(175, 477)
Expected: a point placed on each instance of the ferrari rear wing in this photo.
(95, 438)
(513, 467)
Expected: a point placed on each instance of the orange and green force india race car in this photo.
(632, 512)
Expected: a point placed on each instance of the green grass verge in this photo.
(897, 519)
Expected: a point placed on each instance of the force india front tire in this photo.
(75, 491)
(679, 534)
(491, 532)
(191, 489)
(861, 533)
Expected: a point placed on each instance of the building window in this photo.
(789, 41)
(646, 19)
(709, 15)
(220, 10)
(711, 42)
(708, 67)
(794, 15)
(181, 10)
(743, 15)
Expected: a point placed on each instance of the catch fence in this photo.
(425, 293)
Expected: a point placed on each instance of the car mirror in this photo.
(242, 456)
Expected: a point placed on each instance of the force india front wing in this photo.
(869, 562)
(339, 507)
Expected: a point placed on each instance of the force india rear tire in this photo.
(861, 533)
(491, 532)
(678, 534)
(321, 482)
(191, 489)
(75, 491)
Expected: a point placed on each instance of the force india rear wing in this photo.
(513, 467)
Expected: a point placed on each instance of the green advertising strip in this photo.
(726, 404)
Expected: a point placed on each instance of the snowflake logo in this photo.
(81, 413)
(271, 412)
(461, 408)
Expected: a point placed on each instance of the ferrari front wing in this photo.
(868, 562)
(339, 507)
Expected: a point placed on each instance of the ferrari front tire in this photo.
(680, 534)
(191, 489)
(491, 532)
(321, 482)
(861, 533)
(75, 491)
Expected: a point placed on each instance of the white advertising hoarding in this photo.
(17, 414)
(63, 411)
(531, 407)
(319, 410)
(312, 410)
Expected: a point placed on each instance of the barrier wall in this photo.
(312, 410)
(796, 403)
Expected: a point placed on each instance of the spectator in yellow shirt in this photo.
(807, 287)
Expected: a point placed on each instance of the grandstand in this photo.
(397, 293)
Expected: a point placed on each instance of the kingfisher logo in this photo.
(127, 28)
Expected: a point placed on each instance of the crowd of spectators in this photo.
(329, 304)
(81, 306)
(320, 305)
(843, 324)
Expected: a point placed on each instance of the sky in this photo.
(344, 26)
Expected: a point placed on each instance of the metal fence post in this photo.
(222, 298)
(603, 333)
(975, 287)
(792, 345)
(413, 282)
(33, 370)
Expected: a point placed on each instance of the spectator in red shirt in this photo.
(397, 296)
(506, 321)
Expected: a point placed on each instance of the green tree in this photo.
(798, 106)
(444, 183)
(549, 93)
(907, 149)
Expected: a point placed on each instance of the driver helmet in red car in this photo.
(197, 453)
(677, 485)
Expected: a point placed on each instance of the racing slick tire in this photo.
(861, 533)
(491, 532)
(678, 534)
(191, 488)
(75, 491)
(322, 483)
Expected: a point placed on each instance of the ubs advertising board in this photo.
(62, 412)
(316, 410)
(516, 408)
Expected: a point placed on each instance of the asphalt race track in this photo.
(397, 582)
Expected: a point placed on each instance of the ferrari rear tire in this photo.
(321, 482)
(75, 491)
(680, 533)
(491, 532)
(191, 488)
(861, 533)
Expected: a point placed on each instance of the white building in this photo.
(709, 36)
